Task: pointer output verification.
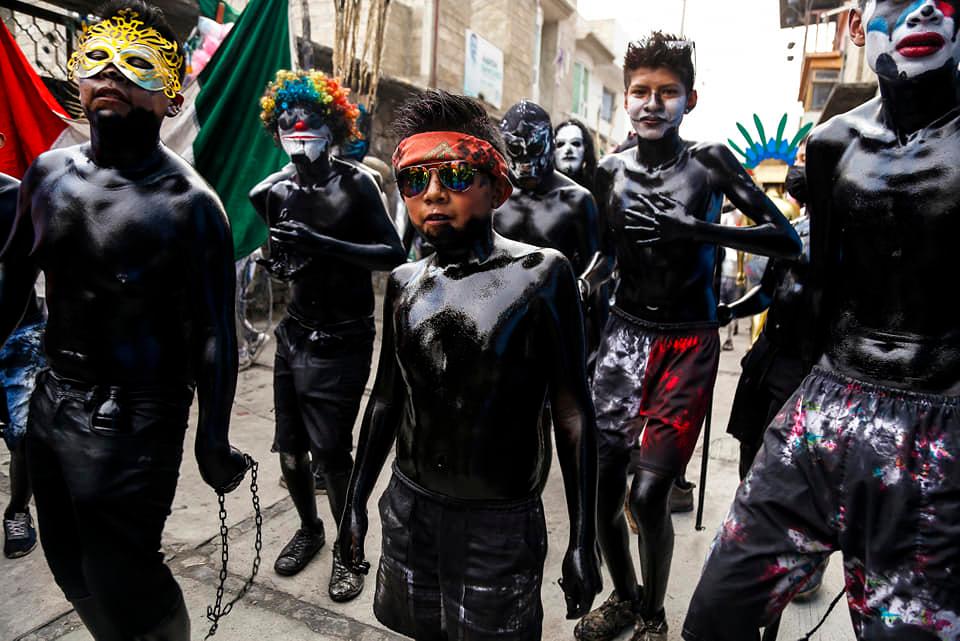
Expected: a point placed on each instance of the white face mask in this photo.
(907, 38)
(568, 156)
(654, 111)
(311, 143)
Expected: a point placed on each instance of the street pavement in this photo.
(281, 608)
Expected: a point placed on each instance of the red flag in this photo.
(30, 117)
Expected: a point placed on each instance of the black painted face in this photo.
(529, 137)
(907, 38)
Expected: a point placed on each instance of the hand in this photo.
(724, 314)
(581, 580)
(658, 218)
(222, 468)
(300, 235)
(584, 288)
(353, 531)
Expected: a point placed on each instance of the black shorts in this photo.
(873, 472)
(471, 568)
(652, 389)
(318, 382)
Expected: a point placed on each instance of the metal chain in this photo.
(218, 610)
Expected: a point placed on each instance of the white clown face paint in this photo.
(568, 156)
(303, 134)
(656, 102)
(907, 38)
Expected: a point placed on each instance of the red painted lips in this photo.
(919, 45)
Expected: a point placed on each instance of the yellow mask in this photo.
(142, 55)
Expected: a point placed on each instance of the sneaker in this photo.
(319, 484)
(727, 345)
(299, 551)
(344, 584)
(681, 496)
(810, 589)
(606, 622)
(19, 535)
(652, 630)
(256, 346)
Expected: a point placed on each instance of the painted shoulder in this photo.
(265, 185)
(49, 162)
(532, 257)
(360, 176)
(861, 122)
(611, 163)
(187, 181)
(713, 154)
(571, 189)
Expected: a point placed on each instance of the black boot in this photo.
(96, 620)
(175, 627)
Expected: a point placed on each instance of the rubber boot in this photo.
(96, 620)
(175, 627)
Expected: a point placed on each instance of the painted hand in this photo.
(724, 314)
(301, 236)
(658, 218)
(581, 580)
(353, 531)
(222, 468)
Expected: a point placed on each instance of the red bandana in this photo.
(438, 146)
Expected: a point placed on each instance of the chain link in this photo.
(217, 611)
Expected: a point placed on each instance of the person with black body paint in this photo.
(546, 208)
(575, 155)
(329, 231)
(659, 354)
(475, 338)
(864, 458)
(21, 359)
(138, 260)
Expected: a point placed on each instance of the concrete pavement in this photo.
(279, 608)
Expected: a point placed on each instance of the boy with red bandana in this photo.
(475, 338)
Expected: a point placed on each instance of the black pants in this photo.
(846, 465)
(459, 570)
(103, 498)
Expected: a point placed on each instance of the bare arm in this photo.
(381, 420)
(755, 301)
(822, 156)
(221, 466)
(18, 271)
(589, 246)
(601, 267)
(575, 432)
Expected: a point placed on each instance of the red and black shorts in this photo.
(652, 390)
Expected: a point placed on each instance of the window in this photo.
(606, 105)
(821, 85)
(581, 89)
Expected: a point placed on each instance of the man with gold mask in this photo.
(138, 259)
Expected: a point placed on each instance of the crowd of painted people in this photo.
(554, 298)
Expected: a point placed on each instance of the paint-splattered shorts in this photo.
(652, 390)
(21, 359)
(850, 466)
(472, 569)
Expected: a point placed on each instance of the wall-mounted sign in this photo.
(483, 70)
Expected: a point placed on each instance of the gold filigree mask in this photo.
(142, 55)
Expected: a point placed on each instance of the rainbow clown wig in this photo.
(312, 89)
